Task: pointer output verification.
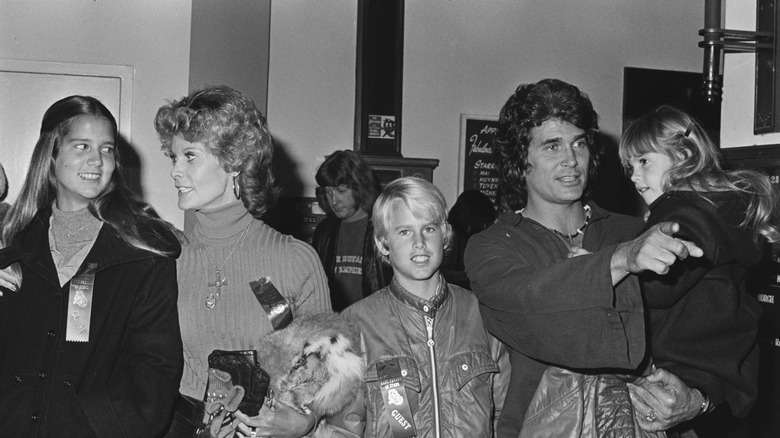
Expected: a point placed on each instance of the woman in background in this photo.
(89, 335)
(221, 151)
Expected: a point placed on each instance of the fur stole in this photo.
(315, 363)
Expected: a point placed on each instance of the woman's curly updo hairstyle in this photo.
(529, 107)
(231, 128)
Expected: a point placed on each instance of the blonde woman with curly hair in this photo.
(220, 151)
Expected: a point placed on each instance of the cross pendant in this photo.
(219, 282)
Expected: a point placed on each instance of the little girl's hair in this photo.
(696, 167)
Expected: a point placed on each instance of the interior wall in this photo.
(151, 36)
(739, 81)
(463, 56)
(229, 46)
(311, 86)
(480, 51)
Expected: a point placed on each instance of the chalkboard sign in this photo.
(477, 169)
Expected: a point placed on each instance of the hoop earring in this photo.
(236, 187)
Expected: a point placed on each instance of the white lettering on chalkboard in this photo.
(480, 147)
(483, 165)
(487, 129)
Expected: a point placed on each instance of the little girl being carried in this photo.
(702, 324)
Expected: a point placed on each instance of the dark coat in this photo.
(702, 322)
(122, 383)
(376, 274)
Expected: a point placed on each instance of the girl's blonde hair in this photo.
(696, 167)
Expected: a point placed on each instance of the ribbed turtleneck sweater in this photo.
(238, 320)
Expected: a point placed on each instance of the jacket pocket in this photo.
(466, 366)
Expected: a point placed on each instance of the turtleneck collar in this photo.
(222, 222)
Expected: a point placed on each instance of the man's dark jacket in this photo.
(702, 321)
(550, 309)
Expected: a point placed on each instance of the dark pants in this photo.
(187, 416)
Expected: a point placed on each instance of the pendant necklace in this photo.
(569, 237)
(58, 226)
(580, 230)
(213, 297)
(73, 233)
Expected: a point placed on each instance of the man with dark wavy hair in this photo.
(553, 276)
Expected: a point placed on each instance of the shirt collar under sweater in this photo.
(222, 222)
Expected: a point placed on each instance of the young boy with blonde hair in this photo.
(431, 367)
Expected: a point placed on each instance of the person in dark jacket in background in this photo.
(344, 239)
(89, 334)
(472, 213)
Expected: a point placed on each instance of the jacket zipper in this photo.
(434, 377)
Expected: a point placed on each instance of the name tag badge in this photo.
(80, 305)
(274, 304)
(396, 402)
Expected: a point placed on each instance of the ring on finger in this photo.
(650, 416)
(253, 432)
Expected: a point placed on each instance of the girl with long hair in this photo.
(89, 334)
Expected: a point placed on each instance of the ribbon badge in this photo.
(396, 401)
(80, 305)
(274, 304)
